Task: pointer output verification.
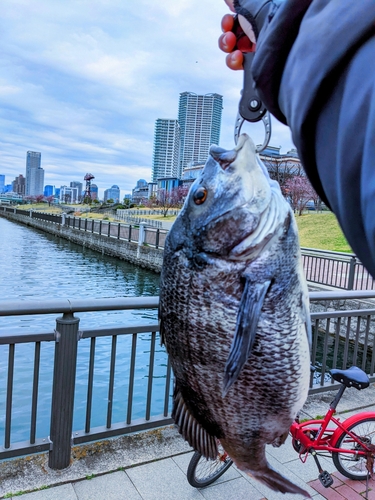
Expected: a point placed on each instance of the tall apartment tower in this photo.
(34, 174)
(199, 117)
(165, 161)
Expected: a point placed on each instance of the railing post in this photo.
(142, 233)
(353, 263)
(63, 219)
(64, 376)
(157, 238)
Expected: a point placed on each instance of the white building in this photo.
(165, 161)
(34, 174)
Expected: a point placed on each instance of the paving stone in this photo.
(328, 493)
(238, 489)
(65, 491)
(348, 492)
(162, 480)
(115, 486)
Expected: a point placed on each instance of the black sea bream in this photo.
(234, 313)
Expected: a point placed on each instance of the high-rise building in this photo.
(68, 194)
(2, 183)
(165, 162)
(112, 193)
(18, 185)
(34, 174)
(199, 117)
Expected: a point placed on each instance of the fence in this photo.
(341, 338)
(141, 234)
(336, 269)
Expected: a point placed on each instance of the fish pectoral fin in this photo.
(191, 430)
(247, 320)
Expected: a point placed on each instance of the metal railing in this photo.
(343, 335)
(154, 237)
(337, 269)
(67, 335)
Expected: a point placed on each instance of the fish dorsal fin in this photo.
(191, 430)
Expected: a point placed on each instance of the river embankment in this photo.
(138, 253)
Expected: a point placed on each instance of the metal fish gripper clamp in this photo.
(251, 107)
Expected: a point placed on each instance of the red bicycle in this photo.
(350, 444)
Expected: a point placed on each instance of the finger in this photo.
(230, 5)
(227, 42)
(234, 60)
(227, 23)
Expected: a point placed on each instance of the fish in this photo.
(234, 314)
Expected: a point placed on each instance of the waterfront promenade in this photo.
(156, 478)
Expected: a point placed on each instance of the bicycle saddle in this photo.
(352, 377)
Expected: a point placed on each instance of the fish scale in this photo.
(234, 314)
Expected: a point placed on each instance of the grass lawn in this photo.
(321, 230)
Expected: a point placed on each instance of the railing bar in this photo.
(355, 352)
(372, 357)
(131, 379)
(325, 349)
(150, 375)
(8, 411)
(346, 348)
(315, 342)
(167, 388)
(337, 342)
(111, 381)
(365, 345)
(90, 383)
(34, 401)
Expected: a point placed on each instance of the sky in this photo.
(83, 82)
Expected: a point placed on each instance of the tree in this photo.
(49, 199)
(39, 198)
(282, 169)
(171, 199)
(298, 192)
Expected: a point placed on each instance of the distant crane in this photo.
(88, 178)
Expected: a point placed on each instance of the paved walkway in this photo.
(165, 479)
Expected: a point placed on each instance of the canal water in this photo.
(38, 266)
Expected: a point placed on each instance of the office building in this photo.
(199, 117)
(49, 190)
(112, 193)
(140, 192)
(94, 192)
(165, 162)
(19, 185)
(79, 186)
(68, 194)
(2, 183)
(34, 174)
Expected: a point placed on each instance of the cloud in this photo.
(84, 81)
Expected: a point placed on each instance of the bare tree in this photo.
(39, 198)
(283, 168)
(49, 199)
(171, 199)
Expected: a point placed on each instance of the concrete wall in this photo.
(141, 255)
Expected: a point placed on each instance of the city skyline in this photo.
(86, 89)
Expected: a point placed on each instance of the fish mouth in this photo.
(226, 157)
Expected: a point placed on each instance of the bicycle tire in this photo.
(202, 472)
(354, 466)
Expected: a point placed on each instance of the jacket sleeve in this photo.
(314, 68)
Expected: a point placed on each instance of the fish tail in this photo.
(277, 482)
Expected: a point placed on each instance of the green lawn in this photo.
(321, 230)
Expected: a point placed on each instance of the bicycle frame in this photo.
(324, 438)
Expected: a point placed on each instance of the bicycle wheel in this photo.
(354, 466)
(202, 472)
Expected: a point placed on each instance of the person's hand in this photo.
(227, 40)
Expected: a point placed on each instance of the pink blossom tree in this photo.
(298, 192)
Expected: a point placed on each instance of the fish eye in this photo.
(200, 196)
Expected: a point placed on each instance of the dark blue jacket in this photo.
(314, 68)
